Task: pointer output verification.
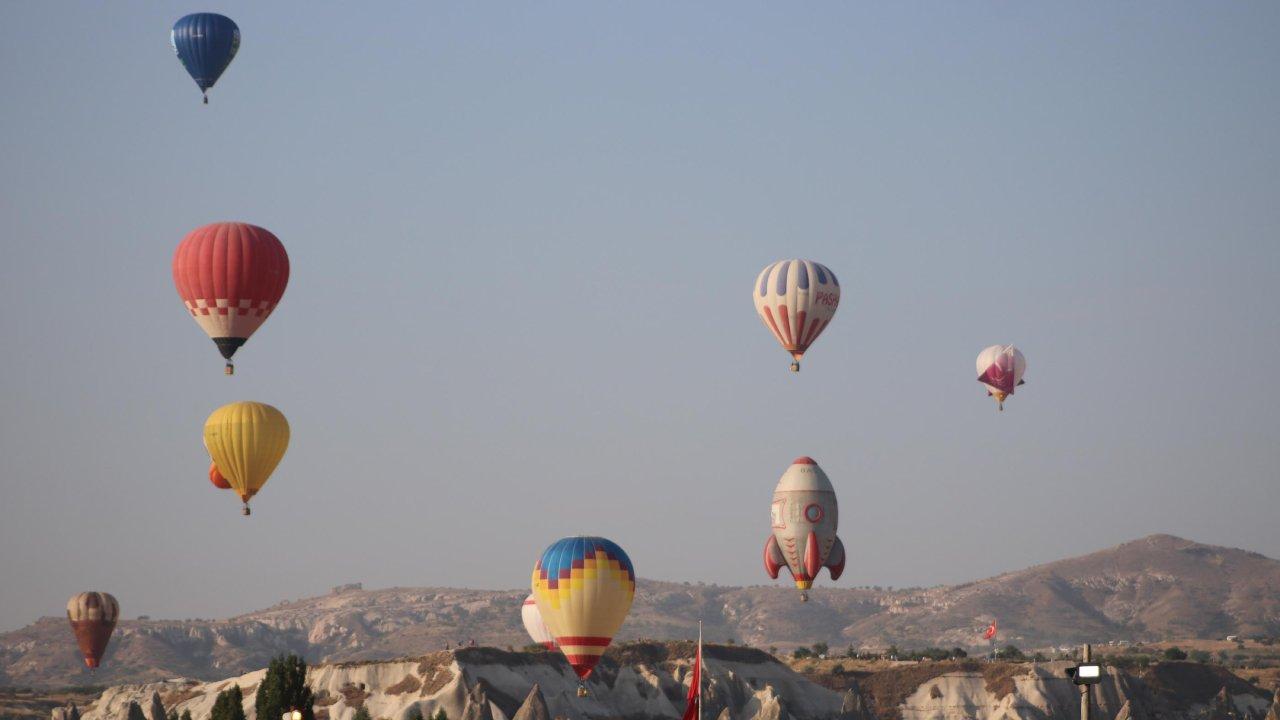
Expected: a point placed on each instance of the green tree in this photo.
(363, 714)
(958, 653)
(799, 654)
(1010, 652)
(893, 652)
(820, 648)
(1200, 656)
(440, 715)
(1175, 653)
(229, 705)
(413, 713)
(285, 688)
(171, 715)
(186, 715)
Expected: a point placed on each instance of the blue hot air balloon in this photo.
(206, 44)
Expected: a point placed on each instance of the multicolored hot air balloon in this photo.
(804, 516)
(93, 617)
(206, 43)
(247, 440)
(216, 478)
(583, 587)
(1000, 368)
(796, 300)
(230, 275)
(534, 626)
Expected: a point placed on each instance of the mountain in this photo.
(1159, 587)
(648, 681)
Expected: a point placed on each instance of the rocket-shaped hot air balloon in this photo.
(1000, 368)
(533, 624)
(805, 517)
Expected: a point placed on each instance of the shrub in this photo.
(1175, 653)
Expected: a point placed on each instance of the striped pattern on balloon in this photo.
(796, 300)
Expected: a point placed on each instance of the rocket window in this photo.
(813, 513)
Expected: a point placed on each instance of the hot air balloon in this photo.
(533, 624)
(247, 441)
(796, 300)
(804, 516)
(205, 43)
(231, 276)
(1000, 368)
(216, 478)
(93, 616)
(583, 587)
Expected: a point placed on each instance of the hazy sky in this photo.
(523, 237)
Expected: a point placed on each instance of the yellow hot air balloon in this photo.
(246, 441)
(583, 587)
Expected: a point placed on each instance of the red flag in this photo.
(990, 634)
(695, 697)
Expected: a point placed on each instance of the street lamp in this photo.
(1086, 674)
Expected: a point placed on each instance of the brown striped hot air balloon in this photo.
(93, 617)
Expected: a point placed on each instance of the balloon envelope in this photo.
(206, 43)
(533, 624)
(796, 300)
(583, 587)
(93, 617)
(804, 517)
(1000, 369)
(216, 478)
(247, 440)
(230, 276)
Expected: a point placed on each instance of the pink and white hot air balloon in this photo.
(796, 300)
(533, 624)
(805, 516)
(1000, 368)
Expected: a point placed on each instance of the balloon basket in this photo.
(804, 597)
(245, 511)
(795, 366)
(206, 99)
(229, 369)
(582, 690)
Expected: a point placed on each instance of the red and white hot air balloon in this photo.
(533, 624)
(93, 617)
(796, 300)
(230, 275)
(1000, 368)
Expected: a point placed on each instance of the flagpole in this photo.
(699, 661)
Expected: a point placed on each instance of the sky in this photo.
(522, 238)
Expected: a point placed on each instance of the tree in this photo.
(440, 715)
(958, 652)
(186, 715)
(1175, 653)
(363, 714)
(413, 713)
(229, 705)
(800, 653)
(1011, 652)
(1200, 656)
(171, 715)
(285, 688)
(820, 648)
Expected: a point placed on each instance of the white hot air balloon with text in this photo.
(796, 300)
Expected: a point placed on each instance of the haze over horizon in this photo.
(521, 244)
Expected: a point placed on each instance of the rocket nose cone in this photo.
(803, 460)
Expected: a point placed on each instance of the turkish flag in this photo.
(691, 709)
(990, 633)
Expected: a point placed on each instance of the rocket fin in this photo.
(835, 559)
(812, 556)
(773, 558)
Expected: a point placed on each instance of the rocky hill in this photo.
(1159, 587)
(648, 681)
